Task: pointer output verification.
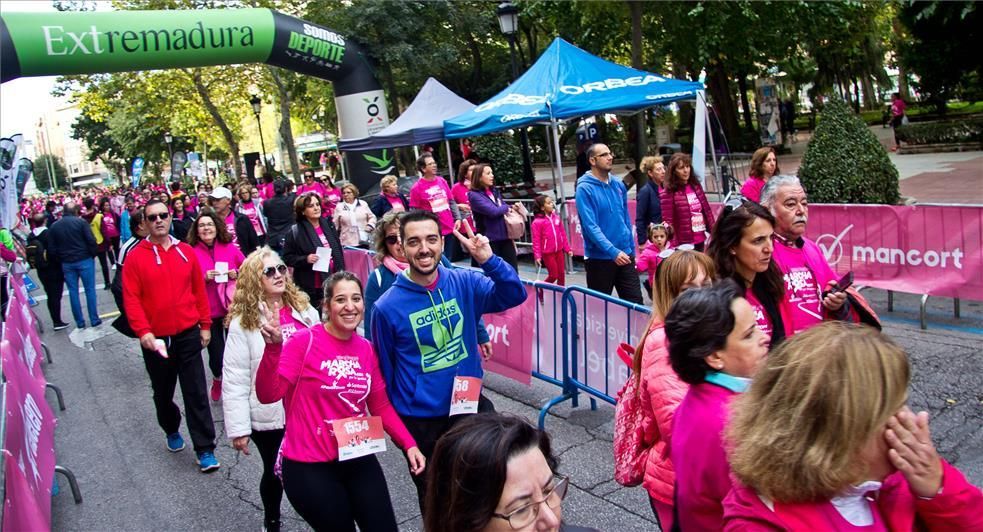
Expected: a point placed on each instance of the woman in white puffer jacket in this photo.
(264, 292)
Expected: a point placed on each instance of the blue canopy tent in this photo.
(567, 82)
(421, 123)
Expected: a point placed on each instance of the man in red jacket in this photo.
(165, 301)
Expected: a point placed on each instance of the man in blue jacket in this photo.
(71, 241)
(424, 327)
(609, 249)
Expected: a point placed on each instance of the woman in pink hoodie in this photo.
(549, 240)
(764, 165)
(661, 390)
(216, 254)
(823, 440)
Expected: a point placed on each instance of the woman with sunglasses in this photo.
(494, 472)
(311, 232)
(213, 246)
(264, 289)
(741, 248)
(325, 375)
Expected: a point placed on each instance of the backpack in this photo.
(629, 449)
(35, 253)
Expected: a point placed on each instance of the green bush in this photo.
(845, 163)
(502, 151)
(969, 130)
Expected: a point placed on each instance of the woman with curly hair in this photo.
(264, 288)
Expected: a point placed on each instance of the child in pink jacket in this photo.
(549, 240)
(650, 257)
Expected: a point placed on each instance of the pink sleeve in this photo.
(379, 405)
(537, 238)
(7, 255)
(642, 263)
(416, 202)
(956, 508)
(270, 386)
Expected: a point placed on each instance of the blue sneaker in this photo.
(175, 442)
(207, 462)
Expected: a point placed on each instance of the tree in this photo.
(845, 163)
(42, 177)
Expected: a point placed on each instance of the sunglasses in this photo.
(155, 217)
(392, 240)
(271, 271)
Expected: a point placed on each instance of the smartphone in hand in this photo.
(843, 283)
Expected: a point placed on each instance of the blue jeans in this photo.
(86, 270)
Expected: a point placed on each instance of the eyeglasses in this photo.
(605, 154)
(155, 217)
(271, 271)
(392, 240)
(524, 515)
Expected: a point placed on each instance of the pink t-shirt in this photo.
(435, 196)
(251, 212)
(321, 379)
(460, 194)
(320, 235)
(331, 198)
(289, 325)
(760, 314)
(396, 203)
(109, 229)
(265, 190)
(696, 215)
(801, 290)
(230, 226)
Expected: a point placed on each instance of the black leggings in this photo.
(270, 490)
(334, 496)
(104, 263)
(216, 347)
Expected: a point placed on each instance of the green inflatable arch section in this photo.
(45, 44)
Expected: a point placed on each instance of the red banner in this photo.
(513, 339)
(920, 249)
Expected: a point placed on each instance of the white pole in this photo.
(450, 164)
(563, 195)
(713, 150)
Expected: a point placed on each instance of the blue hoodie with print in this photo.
(424, 338)
(604, 221)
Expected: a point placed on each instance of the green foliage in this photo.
(969, 130)
(42, 176)
(503, 153)
(845, 163)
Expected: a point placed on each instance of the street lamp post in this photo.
(508, 22)
(170, 152)
(257, 107)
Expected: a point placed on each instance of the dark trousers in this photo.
(216, 347)
(270, 490)
(426, 431)
(184, 364)
(104, 264)
(53, 281)
(334, 496)
(604, 275)
(504, 249)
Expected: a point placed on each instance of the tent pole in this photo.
(549, 135)
(450, 163)
(563, 195)
(713, 150)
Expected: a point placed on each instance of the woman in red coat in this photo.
(684, 204)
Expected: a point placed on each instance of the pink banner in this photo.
(29, 454)
(513, 339)
(920, 249)
(24, 341)
(359, 262)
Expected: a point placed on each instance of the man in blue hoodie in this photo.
(609, 249)
(424, 327)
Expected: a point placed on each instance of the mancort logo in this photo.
(832, 248)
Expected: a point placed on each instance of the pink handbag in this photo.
(629, 449)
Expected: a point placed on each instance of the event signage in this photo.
(137, 171)
(25, 167)
(9, 148)
(512, 334)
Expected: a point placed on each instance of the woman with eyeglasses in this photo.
(311, 232)
(330, 381)
(249, 206)
(741, 247)
(494, 472)
(264, 288)
(219, 259)
(660, 390)
(684, 204)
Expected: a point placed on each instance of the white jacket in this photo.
(243, 351)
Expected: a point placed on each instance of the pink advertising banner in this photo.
(29, 454)
(919, 249)
(359, 262)
(24, 342)
(513, 339)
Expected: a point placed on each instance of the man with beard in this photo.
(424, 328)
(809, 280)
(167, 308)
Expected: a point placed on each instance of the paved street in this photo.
(109, 438)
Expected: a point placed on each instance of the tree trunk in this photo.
(745, 105)
(206, 100)
(856, 96)
(870, 94)
(636, 126)
(719, 86)
(286, 132)
(686, 111)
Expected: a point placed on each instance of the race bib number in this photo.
(358, 436)
(464, 399)
(438, 200)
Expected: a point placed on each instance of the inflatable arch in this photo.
(44, 44)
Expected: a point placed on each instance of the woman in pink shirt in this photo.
(251, 207)
(764, 164)
(330, 374)
(823, 440)
(684, 204)
(742, 248)
(715, 346)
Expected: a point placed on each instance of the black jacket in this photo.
(649, 210)
(71, 240)
(181, 227)
(303, 241)
(381, 204)
(279, 211)
(245, 234)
